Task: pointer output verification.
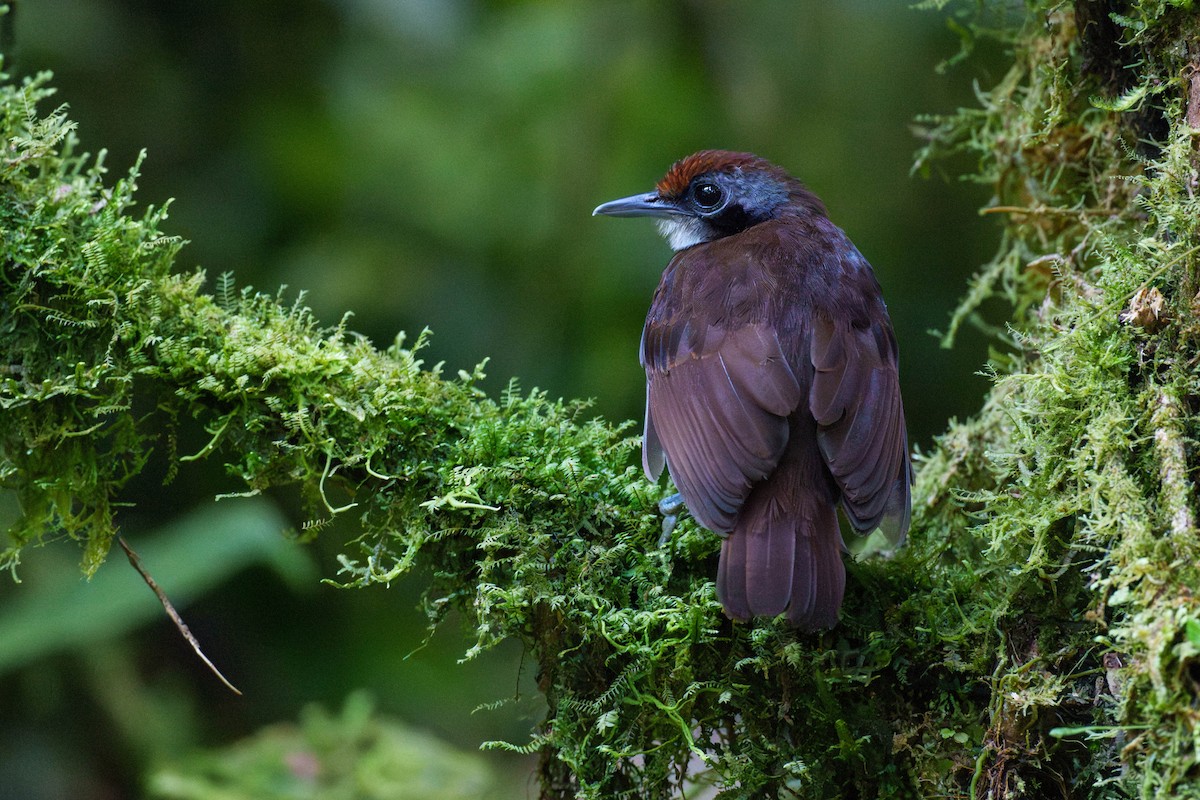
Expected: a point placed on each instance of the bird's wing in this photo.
(717, 401)
(855, 398)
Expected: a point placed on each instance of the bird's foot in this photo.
(669, 507)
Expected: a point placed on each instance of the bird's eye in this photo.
(708, 195)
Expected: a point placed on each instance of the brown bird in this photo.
(772, 384)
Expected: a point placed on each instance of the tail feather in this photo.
(778, 560)
(821, 551)
(770, 544)
(731, 578)
(804, 587)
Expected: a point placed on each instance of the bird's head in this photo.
(716, 193)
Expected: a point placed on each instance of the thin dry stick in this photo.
(172, 613)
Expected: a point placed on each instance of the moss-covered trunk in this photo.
(1077, 474)
(1039, 636)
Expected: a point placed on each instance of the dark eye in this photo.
(708, 195)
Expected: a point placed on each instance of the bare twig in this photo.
(1173, 473)
(172, 613)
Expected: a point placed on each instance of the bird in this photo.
(772, 383)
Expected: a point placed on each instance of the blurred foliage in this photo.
(450, 154)
(353, 756)
(194, 555)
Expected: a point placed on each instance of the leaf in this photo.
(1191, 629)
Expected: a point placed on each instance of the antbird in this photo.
(772, 384)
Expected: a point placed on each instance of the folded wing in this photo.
(717, 402)
(855, 398)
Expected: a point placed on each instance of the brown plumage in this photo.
(772, 383)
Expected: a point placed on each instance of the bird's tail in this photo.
(780, 558)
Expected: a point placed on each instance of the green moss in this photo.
(351, 756)
(1039, 635)
(1078, 467)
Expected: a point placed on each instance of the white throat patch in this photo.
(682, 232)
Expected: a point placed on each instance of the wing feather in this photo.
(717, 406)
(653, 458)
(855, 398)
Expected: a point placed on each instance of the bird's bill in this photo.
(639, 205)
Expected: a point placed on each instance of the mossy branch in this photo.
(1039, 636)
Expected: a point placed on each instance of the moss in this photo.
(1038, 637)
(354, 754)
(1078, 467)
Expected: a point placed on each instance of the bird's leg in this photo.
(669, 507)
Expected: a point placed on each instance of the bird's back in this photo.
(733, 394)
(772, 385)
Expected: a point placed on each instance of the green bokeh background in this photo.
(435, 163)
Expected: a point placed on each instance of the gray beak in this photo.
(639, 205)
